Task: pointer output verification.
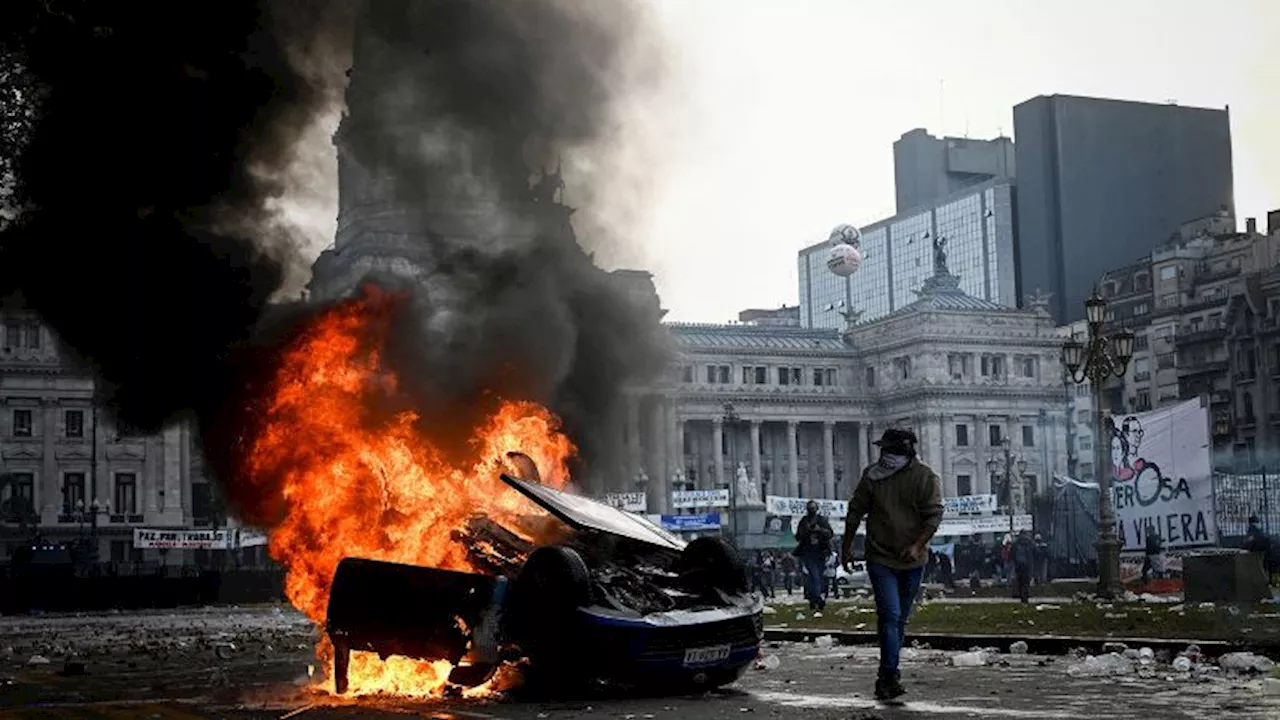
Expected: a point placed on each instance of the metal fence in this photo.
(1239, 496)
(1073, 527)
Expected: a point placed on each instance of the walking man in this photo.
(901, 499)
(813, 536)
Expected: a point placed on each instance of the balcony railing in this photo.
(1199, 336)
(1208, 368)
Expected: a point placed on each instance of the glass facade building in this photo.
(897, 257)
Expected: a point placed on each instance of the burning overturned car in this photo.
(614, 598)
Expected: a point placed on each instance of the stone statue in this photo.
(1039, 300)
(748, 493)
(939, 256)
(642, 479)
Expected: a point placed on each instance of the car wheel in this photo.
(711, 563)
(553, 583)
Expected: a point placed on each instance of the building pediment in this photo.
(69, 451)
(127, 451)
(26, 450)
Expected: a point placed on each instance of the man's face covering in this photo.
(811, 509)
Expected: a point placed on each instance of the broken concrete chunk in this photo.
(1245, 662)
(973, 658)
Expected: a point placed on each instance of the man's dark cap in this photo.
(896, 438)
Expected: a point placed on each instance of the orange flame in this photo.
(354, 481)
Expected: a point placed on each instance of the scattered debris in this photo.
(1245, 662)
(1046, 606)
(969, 659)
(1114, 647)
(860, 626)
(224, 651)
(38, 660)
(769, 611)
(1018, 648)
(824, 641)
(1108, 665)
(768, 662)
(1182, 664)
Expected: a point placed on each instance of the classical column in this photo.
(793, 455)
(828, 460)
(658, 476)
(174, 501)
(633, 441)
(862, 457)
(49, 495)
(717, 447)
(923, 447)
(756, 475)
(946, 431)
(678, 450)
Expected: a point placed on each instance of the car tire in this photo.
(711, 563)
(551, 585)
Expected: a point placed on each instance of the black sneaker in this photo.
(889, 688)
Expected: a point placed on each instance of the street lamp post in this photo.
(1094, 361)
(1008, 464)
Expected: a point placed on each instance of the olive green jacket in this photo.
(899, 508)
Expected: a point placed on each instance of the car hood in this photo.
(582, 513)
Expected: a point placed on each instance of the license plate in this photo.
(706, 655)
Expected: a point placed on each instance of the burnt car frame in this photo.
(616, 598)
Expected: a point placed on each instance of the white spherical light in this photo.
(844, 259)
(846, 235)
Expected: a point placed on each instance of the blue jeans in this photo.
(815, 566)
(895, 591)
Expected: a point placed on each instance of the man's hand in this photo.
(846, 559)
(912, 553)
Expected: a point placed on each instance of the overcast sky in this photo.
(785, 113)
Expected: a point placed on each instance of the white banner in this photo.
(700, 498)
(777, 505)
(183, 539)
(251, 538)
(635, 502)
(1162, 480)
(968, 504)
(956, 527)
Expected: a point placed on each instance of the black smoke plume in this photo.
(147, 238)
(453, 106)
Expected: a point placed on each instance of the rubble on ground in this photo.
(1246, 662)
